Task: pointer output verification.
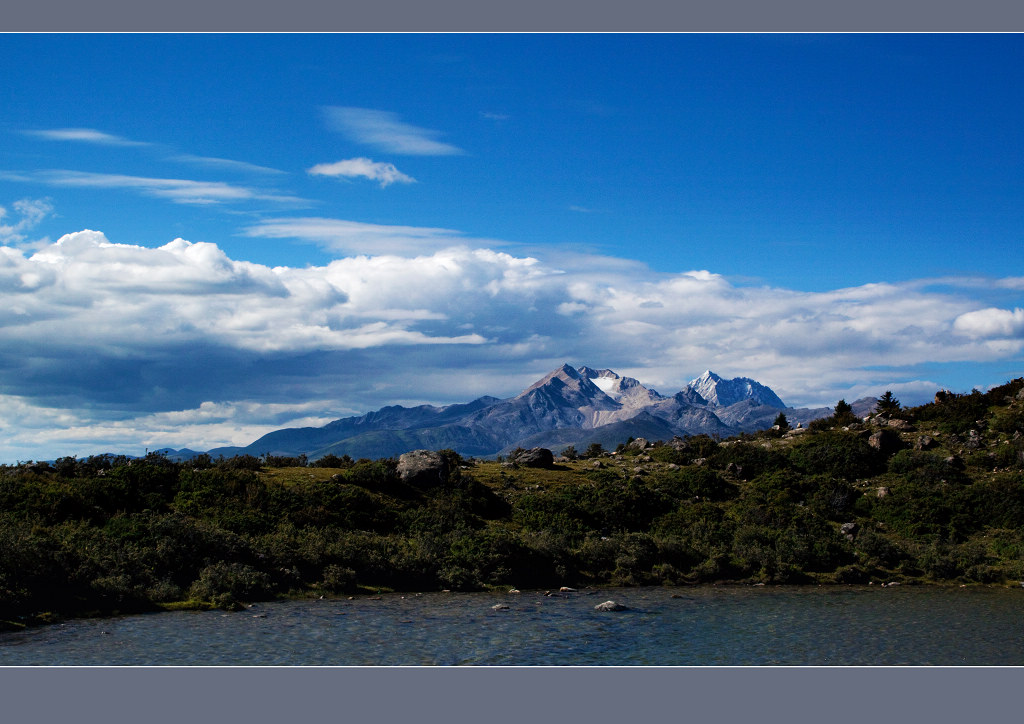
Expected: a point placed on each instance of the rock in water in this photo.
(610, 606)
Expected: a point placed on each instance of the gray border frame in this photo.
(158, 695)
(518, 16)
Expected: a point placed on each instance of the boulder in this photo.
(849, 530)
(638, 444)
(885, 441)
(610, 606)
(924, 442)
(423, 468)
(538, 457)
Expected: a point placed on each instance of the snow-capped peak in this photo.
(721, 392)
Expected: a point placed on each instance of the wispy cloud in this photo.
(30, 212)
(494, 116)
(224, 164)
(386, 131)
(355, 237)
(385, 173)
(84, 135)
(182, 191)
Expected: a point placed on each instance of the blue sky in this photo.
(205, 237)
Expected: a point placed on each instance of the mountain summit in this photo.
(722, 393)
(568, 406)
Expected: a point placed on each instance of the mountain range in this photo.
(568, 406)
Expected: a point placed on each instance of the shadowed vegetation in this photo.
(829, 504)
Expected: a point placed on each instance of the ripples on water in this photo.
(713, 625)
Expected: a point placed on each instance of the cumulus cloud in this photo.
(991, 322)
(169, 335)
(385, 173)
(84, 135)
(385, 130)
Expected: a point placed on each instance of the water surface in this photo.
(694, 626)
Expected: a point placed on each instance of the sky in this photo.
(207, 237)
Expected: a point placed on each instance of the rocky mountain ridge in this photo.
(568, 406)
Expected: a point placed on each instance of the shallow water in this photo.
(713, 625)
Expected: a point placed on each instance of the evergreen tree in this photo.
(888, 404)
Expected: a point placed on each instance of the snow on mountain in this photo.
(722, 393)
(625, 390)
(565, 405)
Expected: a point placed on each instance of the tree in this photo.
(781, 422)
(844, 413)
(887, 404)
(595, 450)
(570, 453)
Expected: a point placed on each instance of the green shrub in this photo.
(838, 454)
(228, 583)
(338, 579)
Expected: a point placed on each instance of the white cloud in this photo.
(84, 135)
(354, 237)
(149, 335)
(991, 322)
(33, 432)
(31, 213)
(385, 130)
(226, 164)
(385, 173)
(181, 191)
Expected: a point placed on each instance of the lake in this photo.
(691, 626)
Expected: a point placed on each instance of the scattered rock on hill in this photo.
(924, 442)
(885, 441)
(538, 457)
(423, 468)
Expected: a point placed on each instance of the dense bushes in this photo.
(110, 534)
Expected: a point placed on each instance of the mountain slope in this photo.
(567, 406)
(722, 393)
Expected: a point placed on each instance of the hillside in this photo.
(931, 494)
